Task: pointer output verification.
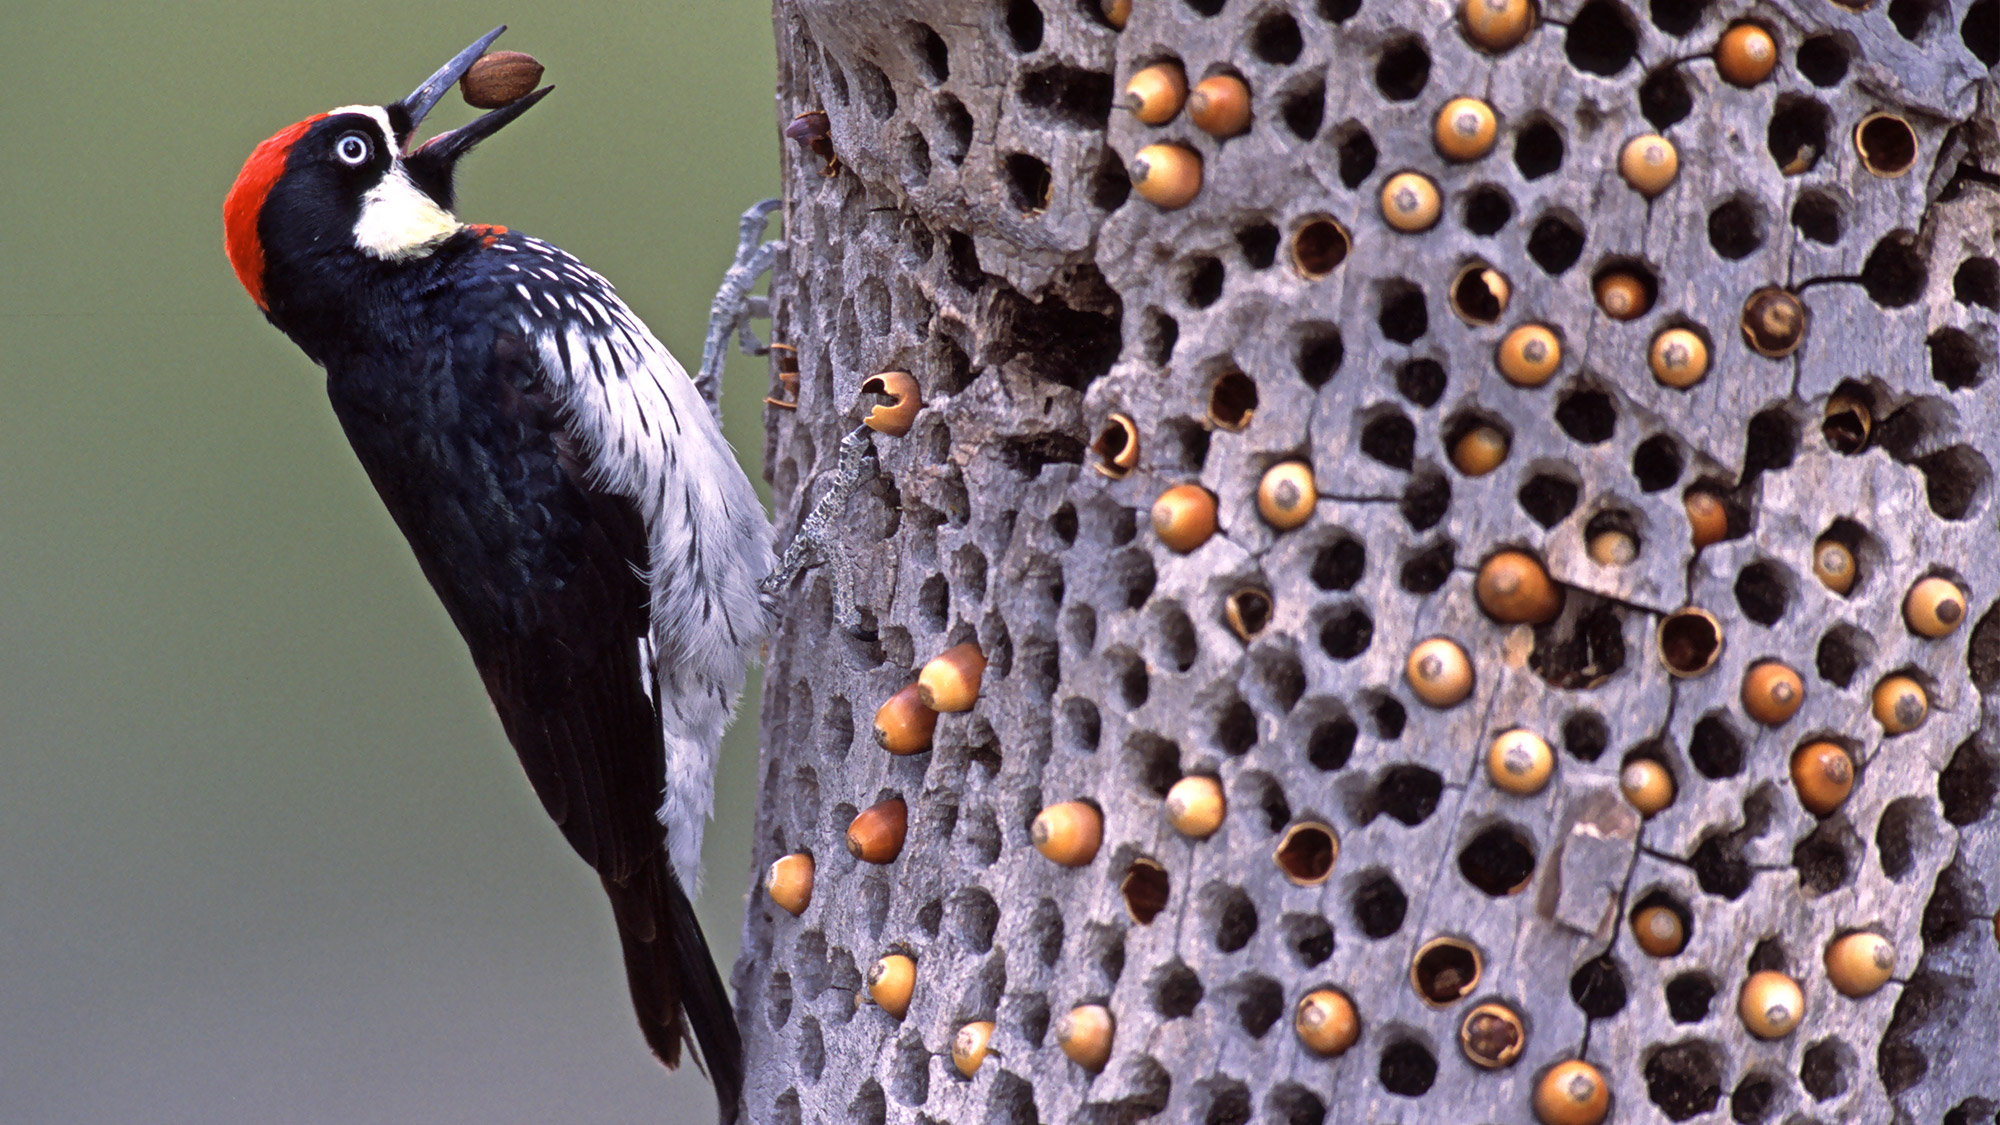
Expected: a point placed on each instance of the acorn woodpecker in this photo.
(565, 486)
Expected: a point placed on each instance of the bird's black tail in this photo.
(672, 975)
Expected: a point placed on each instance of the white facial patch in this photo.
(398, 221)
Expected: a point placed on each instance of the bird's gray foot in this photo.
(735, 306)
(814, 543)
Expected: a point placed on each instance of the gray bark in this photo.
(1113, 672)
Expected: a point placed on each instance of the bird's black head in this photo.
(349, 185)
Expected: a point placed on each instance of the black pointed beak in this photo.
(448, 146)
(409, 113)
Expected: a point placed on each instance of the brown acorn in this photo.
(1514, 589)
(1647, 785)
(1465, 129)
(1154, 94)
(1823, 775)
(1195, 806)
(499, 78)
(1496, 25)
(968, 1047)
(1833, 564)
(1528, 355)
(1220, 105)
(1745, 55)
(1622, 295)
(1084, 1034)
(1659, 931)
(1285, 497)
(1859, 963)
(1520, 762)
(1772, 693)
(1900, 704)
(903, 725)
(1410, 202)
(1774, 322)
(1184, 517)
(1934, 607)
(1166, 175)
(1479, 450)
(1439, 672)
(1068, 833)
(790, 882)
(876, 834)
(1326, 1022)
(1771, 1005)
(890, 982)
(1678, 357)
(1708, 518)
(1572, 1093)
(950, 682)
(1116, 12)
(1649, 163)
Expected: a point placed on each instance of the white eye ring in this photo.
(353, 149)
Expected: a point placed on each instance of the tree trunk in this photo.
(979, 228)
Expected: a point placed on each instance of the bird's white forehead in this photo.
(380, 115)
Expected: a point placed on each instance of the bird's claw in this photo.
(735, 306)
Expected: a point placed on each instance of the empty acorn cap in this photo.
(1492, 1036)
(895, 416)
(499, 78)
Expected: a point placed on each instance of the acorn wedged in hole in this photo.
(1220, 105)
(1445, 970)
(1195, 806)
(1823, 775)
(1479, 450)
(1771, 1005)
(1286, 495)
(1326, 1022)
(1886, 144)
(1165, 175)
(950, 682)
(894, 417)
(498, 79)
(1492, 1036)
(1848, 421)
(1154, 94)
(1515, 589)
(1496, 25)
(1439, 672)
(1572, 1093)
(1689, 641)
(1479, 294)
(1520, 762)
(1647, 785)
(1859, 963)
(1934, 607)
(968, 1047)
(1465, 129)
(1622, 295)
(876, 833)
(1900, 704)
(1184, 517)
(1612, 547)
(1745, 55)
(1649, 164)
(1659, 931)
(1084, 1034)
(903, 725)
(1708, 518)
(1678, 358)
(890, 982)
(1833, 564)
(1307, 852)
(1774, 322)
(1772, 693)
(789, 882)
(1116, 12)
(1528, 355)
(1117, 446)
(1247, 612)
(1068, 833)
(1410, 202)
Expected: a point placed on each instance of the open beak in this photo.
(431, 164)
(409, 113)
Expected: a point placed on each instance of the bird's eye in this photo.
(353, 149)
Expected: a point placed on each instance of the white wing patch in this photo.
(650, 437)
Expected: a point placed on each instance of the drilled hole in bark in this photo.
(1538, 149)
(1955, 479)
(1408, 793)
(1275, 38)
(1955, 359)
(1770, 443)
(1304, 110)
(1407, 1069)
(1597, 988)
(1024, 25)
(1230, 916)
(1391, 439)
(1895, 271)
(1153, 761)
(1291, 1104)
(1339, 564)
(1685, 1080)
(1657, 463)
(1555, 243)
(1145, 889)
(1176, 990)
(1081, 98)
(1404, 70)
(1842, 652)
(1235, 728)
(1911, 17)
(1331, 743)
(1259, 1003)
(1357, 155)
(1968, 783)
(1823, 1069)
(1548, 498)
(1601, 38)
(1425, 500)
(1379, 905)
(1426, 570)
(1320, 353)
(1825, 859)
(1763, 591)
(1720, 868)
(1228, 1103)
(1714, 747)
(1823, 60)
(1797, 136)
(1585, 735)
(1499, 861)
(1487, 210)
(1752, 1099)
(1402, 315)
(1677, 17)
(1346, 632)
(1309, 937)
(1977, 32)
(1664, 99)
(1689, 996)
(1817, 217)
(1735, 229)
(1259, 244)
(1587, 416)
(1422, 381)
(1580, 651)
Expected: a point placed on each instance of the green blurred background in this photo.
(264, 853)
